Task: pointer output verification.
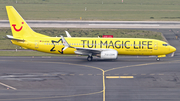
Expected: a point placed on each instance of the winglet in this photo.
(65, 43)
(67, 33)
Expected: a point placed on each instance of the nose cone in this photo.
(172, 49)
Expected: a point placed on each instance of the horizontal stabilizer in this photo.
(12, 38)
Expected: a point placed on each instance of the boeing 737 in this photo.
(104, 48)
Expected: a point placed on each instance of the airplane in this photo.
(104, 48)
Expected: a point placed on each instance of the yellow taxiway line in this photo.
(7, 86)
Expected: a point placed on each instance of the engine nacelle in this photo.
(109, 54)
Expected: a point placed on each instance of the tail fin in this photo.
(20, 29)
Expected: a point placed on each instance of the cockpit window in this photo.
(165, 44)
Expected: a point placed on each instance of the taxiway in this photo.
(98, 24)
(73, 79)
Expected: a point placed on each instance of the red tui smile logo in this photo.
(14, 26)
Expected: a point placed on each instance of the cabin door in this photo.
(36, 44)
(155, 45)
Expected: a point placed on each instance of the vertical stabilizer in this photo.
(20, 29)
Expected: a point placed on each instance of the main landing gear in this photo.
(89, 58)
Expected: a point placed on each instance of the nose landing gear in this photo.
(157, 59)
(160, 56)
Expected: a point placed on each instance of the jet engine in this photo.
(109, 54)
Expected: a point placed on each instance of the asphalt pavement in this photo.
(73, 78)
(98, 24)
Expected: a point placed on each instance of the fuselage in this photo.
(124, 46)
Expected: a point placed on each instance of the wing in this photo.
(83, 51)
(90, 51)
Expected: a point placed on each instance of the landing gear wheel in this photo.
(157, 59)
(89, 58)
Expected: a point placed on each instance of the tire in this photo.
(89, 58)
(157, 59)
